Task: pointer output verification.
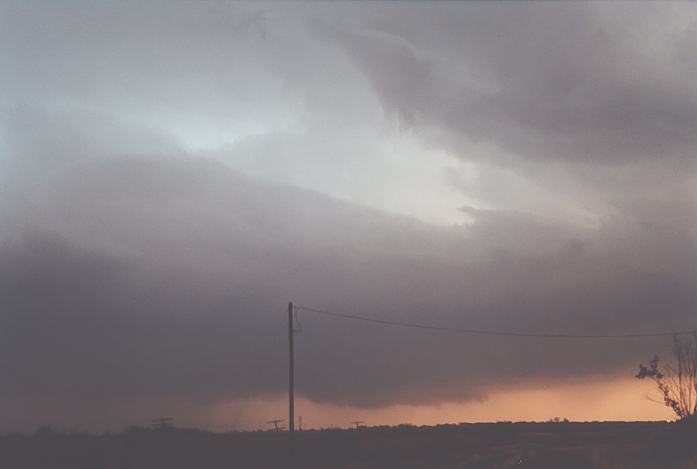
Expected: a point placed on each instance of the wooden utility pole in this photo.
(358, 423)
(291, 372)
(162, 423)
(275, 423)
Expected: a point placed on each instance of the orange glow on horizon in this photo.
(619, 399)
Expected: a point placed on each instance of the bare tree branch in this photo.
(677, 384)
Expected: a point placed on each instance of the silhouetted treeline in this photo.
(540, 445)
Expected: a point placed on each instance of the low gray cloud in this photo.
(149, 277)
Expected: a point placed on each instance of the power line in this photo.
(489, 332)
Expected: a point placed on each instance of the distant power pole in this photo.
(358, 423)
(275, 423)
(291, 372)
(162, 423)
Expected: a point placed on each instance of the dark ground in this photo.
(538, 445)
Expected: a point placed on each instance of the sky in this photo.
(172, 174)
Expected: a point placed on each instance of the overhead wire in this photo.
(487, 332)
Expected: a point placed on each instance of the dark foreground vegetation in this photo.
(539, 445)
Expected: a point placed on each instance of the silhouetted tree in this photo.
(677, 383)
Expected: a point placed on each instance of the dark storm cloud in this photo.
(150, 277)
(130, 269)
(577, 82)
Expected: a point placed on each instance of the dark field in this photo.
(539, 445)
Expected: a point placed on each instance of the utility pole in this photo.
(162, 423)
(358, 423)
(291, 372)
(275, 423)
